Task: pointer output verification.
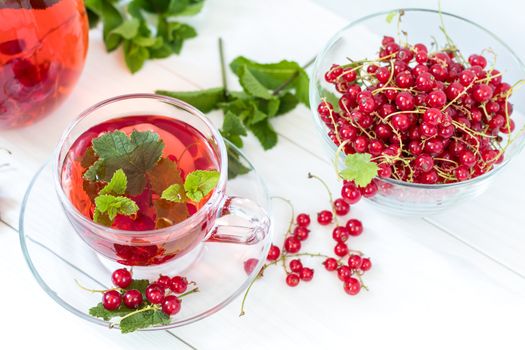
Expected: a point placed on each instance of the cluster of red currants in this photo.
(424, 117)
(161, 292)
(349, 273)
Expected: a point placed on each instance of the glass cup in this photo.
(220, 219)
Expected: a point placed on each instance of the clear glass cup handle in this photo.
(241, 221)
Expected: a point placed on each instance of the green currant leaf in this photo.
(143, 320)
(135, 155)
(101, 312)
(359, 168)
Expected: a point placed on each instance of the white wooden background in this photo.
(456, 280)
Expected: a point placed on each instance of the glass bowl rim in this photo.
(339, 34)
(215, 198)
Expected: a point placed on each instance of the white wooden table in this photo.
(456, 280)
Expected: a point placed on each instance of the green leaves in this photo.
(269, 90)
(130, 28)
(204, 100)
(135, 156)
(174, 193)
(198, 184)
(359, 168)
(117, 184)
(113, 205)
(143, 319)
(133, 319)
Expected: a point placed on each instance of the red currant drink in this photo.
(152, 196)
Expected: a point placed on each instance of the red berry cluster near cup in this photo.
(429, 117)
(348, 264)
(139, 303)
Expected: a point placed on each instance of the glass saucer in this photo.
(58, 257)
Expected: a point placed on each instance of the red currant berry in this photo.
(155, 293)
(401, 122)
(432, 116)
(292, 280)
(121, 278)
(341, 249)
(477, 60)
(354, 262)
(349, 75)
(340, 234)
(405, 101)
(344, 273)
(350, 193)
(366, 264)
(369, 190)
(330, 264)
(303, 220)
(164, 281)
(467, 77)
(341, 207)
(482, 93)
(425, 82)
(178, 284)
(301, 233)
(324, 217)
(273, 253)
(354, 227)
(360, 144)
(250, 265)
(424, 162)
(436, 99)
(111, 300)
(462, 173)
(382, 74)
(292, 245)
(296, 265)
(171, 305)
(132, 298)
(352, 286)
(405, 80)
(306, 274)
(384, 170)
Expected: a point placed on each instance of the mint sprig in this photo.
(143, 37)
(359, 168)
(269, 90)
(198, 184)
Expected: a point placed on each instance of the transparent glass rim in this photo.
(333, 40)
(215, 199)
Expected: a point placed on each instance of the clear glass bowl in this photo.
(361, 39)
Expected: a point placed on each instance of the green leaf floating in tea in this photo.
(135, 155)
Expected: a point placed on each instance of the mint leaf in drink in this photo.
(251, 85)
(174, 193)
(117, 185)
(143, 319)
(200, 183)
(265, 134)
(113, 205)
(359, 168)
(204, 100)
(135, 155)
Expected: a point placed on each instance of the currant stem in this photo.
(330, 197)
(146, 308)
(194, 290)
(289, 202)
(95, 290)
